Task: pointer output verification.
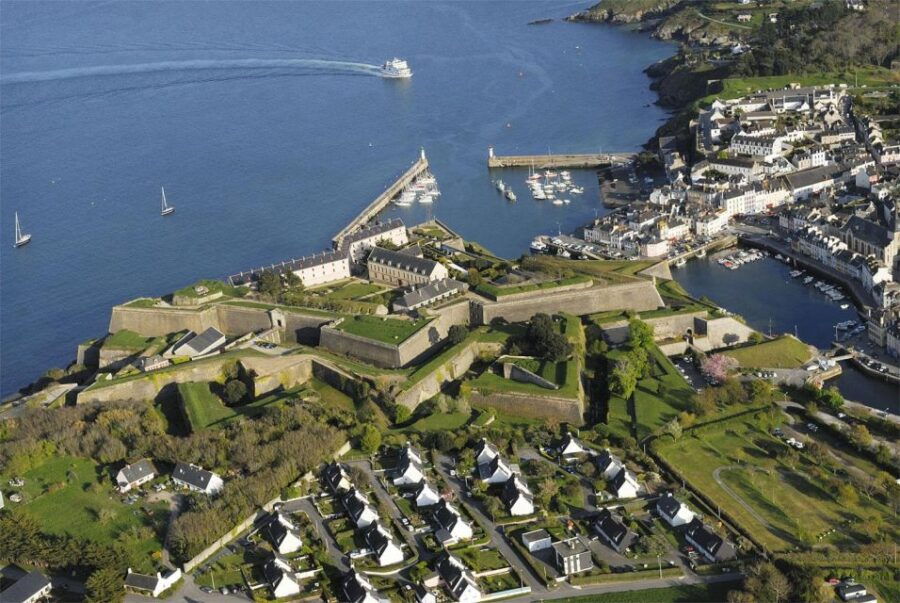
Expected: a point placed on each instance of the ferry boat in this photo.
(22, 238)
(396, 68)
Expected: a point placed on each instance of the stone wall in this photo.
(274, 373)
(154, 322)
(384, 355)
(638, 296)
(538, 407)
(88, 354)
(303, 328)
(664, 327)
(517, 373)
(455, 367)
(237, 320)
(114, 359)
(151, 385)
(721, 332)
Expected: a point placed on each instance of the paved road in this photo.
(306, 505)
(572, 591)
(443, 466)
(828, 419)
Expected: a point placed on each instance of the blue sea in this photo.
(269, 131)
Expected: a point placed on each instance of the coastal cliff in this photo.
(625, 11)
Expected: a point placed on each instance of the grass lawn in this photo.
(204, 409)
(686, 593)
(330, 396)
(774, 496)
(352, 290)
(499, 583)
(440, 422)
(144, 302)
(481, 559)
(387, 330)
(782, 352)
(212, 287)
(127, 340)
(564, 374)
(495, 292)
(74, 496)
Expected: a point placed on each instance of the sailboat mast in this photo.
(163, 189)
(18, 229)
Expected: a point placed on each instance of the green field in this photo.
(440, 422)
(495, 292)
(863, 76)
(772, 501)
(386, 330)
(349, 290)
(204, 409)
(127, 340)
(687, 593)
(783, 352)
(75, 496)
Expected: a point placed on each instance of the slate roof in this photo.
(403, 261)
(669, 505)
(200, 342)
(138, 470)
(277, 531)
(486, 470)
(811, 176)
(426, 293)
(292, 265)
(535, 536)
(485, 444)
(709, 541)
(371, 231)
(570, 547)
(446, 516)
(614, 528)
(621, 477)
(333, 474)
(376, 537)
(193, 475)
(868, 231)
(511, 491)
(138, 581)
(25, 587)
(352, 589)
(355, 503)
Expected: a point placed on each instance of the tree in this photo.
(234, 391)
(640, 334)
(269, 283)
(704, 403)
(370, 439)
(756, 337)
(493, 507)
(622, 379)
(847, 495)
(547, 489)
(832, 398)
(474, 277)
(556, 348)
(761, 391)
(104, 586)
(860, 436)
(457, 334)
(401, 413)
(717, 366)
(673, 428)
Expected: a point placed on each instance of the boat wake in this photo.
(193, 65)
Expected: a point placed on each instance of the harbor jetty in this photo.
(591, 160)
(382, 200)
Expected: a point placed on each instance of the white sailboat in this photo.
(166, 208)
(22, 238)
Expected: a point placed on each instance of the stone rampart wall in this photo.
(154, 322)
(538, 407)
(455, 367)
(638, 296)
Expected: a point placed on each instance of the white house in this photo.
(141, 583)
(675, 512)
(496, 471)
(485, 452)
(570, 446)
(453, 528)
(536, 540)
(608, 465)
(196, 478)
(283, 535)
(624, 485)
(517, 497)
(353, 587)
(382, 545)
(572, 556)
(766, 147)
(357, 244)
(409, 467)
(336, 478)
(30, 588)
(459, 581)
(135, 474)
(281, 578)
(361, 512)
(425, 495)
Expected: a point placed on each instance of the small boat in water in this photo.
(844, 306)
(22, 238)
(538, 246)
(557, 202)
(501, 186)
(166, 208)
(510, 194)
(680, 262)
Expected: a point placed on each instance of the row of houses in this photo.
(492, 468)
(189, 476)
